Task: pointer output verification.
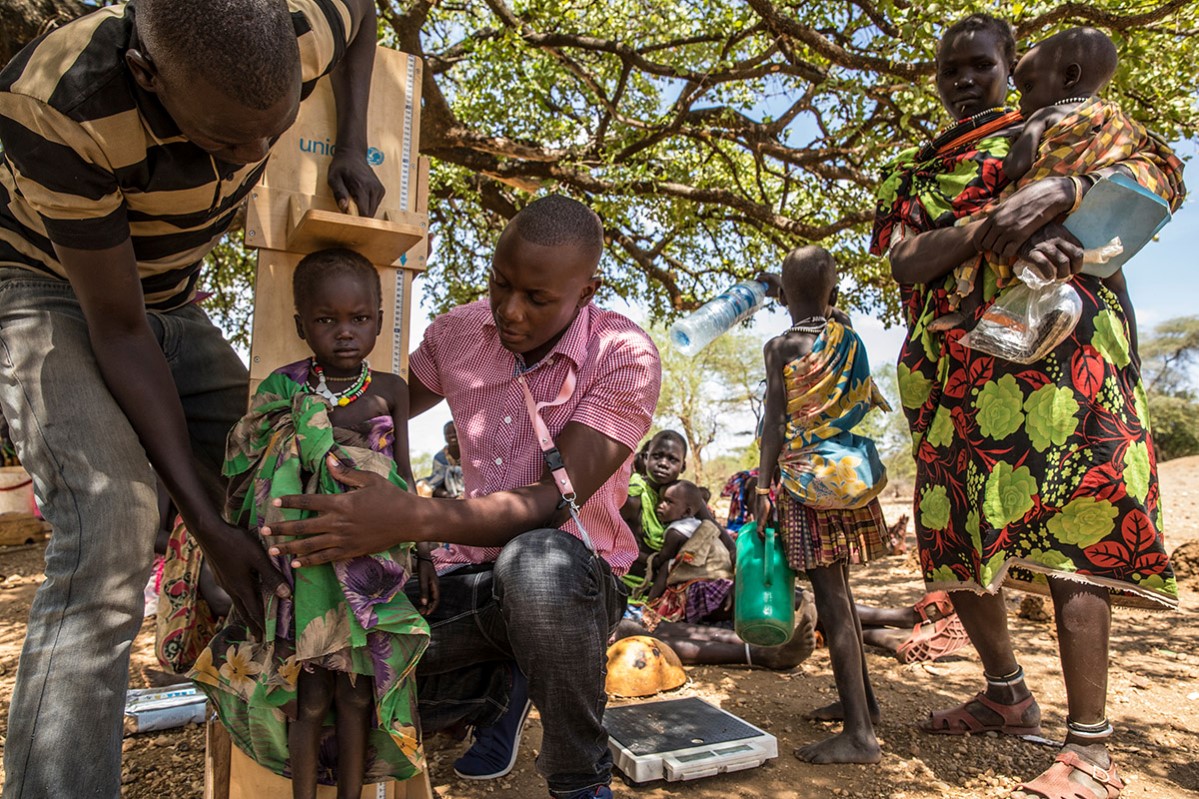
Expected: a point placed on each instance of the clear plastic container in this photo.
(699, 329)
(1031, 319)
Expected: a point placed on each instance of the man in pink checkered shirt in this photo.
(521, 592)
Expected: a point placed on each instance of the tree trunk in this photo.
(21, 21)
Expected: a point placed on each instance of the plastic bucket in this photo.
(764, 613)
(16, 491)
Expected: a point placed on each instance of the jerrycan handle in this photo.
(767, 550)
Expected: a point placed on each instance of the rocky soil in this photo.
(1154, 701)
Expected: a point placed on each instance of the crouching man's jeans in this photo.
(549, 605)
(96, 488)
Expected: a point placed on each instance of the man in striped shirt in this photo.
(522, 581)
(130, 136)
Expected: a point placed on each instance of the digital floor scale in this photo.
(683, 739)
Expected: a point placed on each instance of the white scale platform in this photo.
(683, 739)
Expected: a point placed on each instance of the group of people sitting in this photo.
(130, 138)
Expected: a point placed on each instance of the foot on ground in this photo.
(1079, 772)
(795, 651)
(841, 749)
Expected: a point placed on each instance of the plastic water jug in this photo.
(764, 613)
(735, 304)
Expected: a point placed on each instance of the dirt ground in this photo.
(1154, 701)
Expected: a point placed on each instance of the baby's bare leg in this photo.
(315, 697)
(354, 704)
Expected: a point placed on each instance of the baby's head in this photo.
(338, 298)
(810, 277)
(666, 458)
(1074, 63)
(680, 500)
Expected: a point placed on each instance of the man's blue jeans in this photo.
(549, 605)
(96, 488)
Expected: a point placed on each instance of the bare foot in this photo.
(795, 651)
(835, 712)
(842, 749)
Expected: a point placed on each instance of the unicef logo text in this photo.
(326, 147)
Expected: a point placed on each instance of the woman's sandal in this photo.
(931, 641)
(1055, 782)
(960, 721)
(934, 606)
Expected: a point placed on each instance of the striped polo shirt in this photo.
(90, 158)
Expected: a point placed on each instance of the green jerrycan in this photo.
(764, 613)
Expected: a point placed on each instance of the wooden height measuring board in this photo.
(292, 213)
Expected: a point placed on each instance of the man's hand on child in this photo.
(242, 568)
(366, 518)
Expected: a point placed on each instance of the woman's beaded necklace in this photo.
(973, 126)
(1072, 100)
(812, 324)
(339, 399)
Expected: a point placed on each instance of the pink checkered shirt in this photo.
(618, 374)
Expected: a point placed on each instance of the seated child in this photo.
(818, 388)
(348, 639)
(665, 459)
(1068, 131)
(692, 574)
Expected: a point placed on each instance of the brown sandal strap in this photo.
(959, 720)
(1104, 776)
(1009, 713)
(1055, 783)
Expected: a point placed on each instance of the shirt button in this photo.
(499, 461)
(507, 420)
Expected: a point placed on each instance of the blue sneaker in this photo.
(493, 753)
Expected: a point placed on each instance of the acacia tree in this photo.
(710, 135)
(713, 134)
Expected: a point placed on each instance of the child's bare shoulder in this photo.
(391, 386)
(787, 347)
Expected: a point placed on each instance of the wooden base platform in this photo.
(230, 774)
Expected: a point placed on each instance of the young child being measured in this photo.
(348, 639)
(818, 388)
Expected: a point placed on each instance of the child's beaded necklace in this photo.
(339, 399)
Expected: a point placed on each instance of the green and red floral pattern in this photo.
(1023, 471)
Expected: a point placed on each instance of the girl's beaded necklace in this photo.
(339, 399)
(811, 324)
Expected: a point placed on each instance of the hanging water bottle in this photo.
(696, 331)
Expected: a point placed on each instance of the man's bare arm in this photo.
(365, 519)
(136, 373)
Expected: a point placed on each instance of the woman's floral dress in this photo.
(1022, 471)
